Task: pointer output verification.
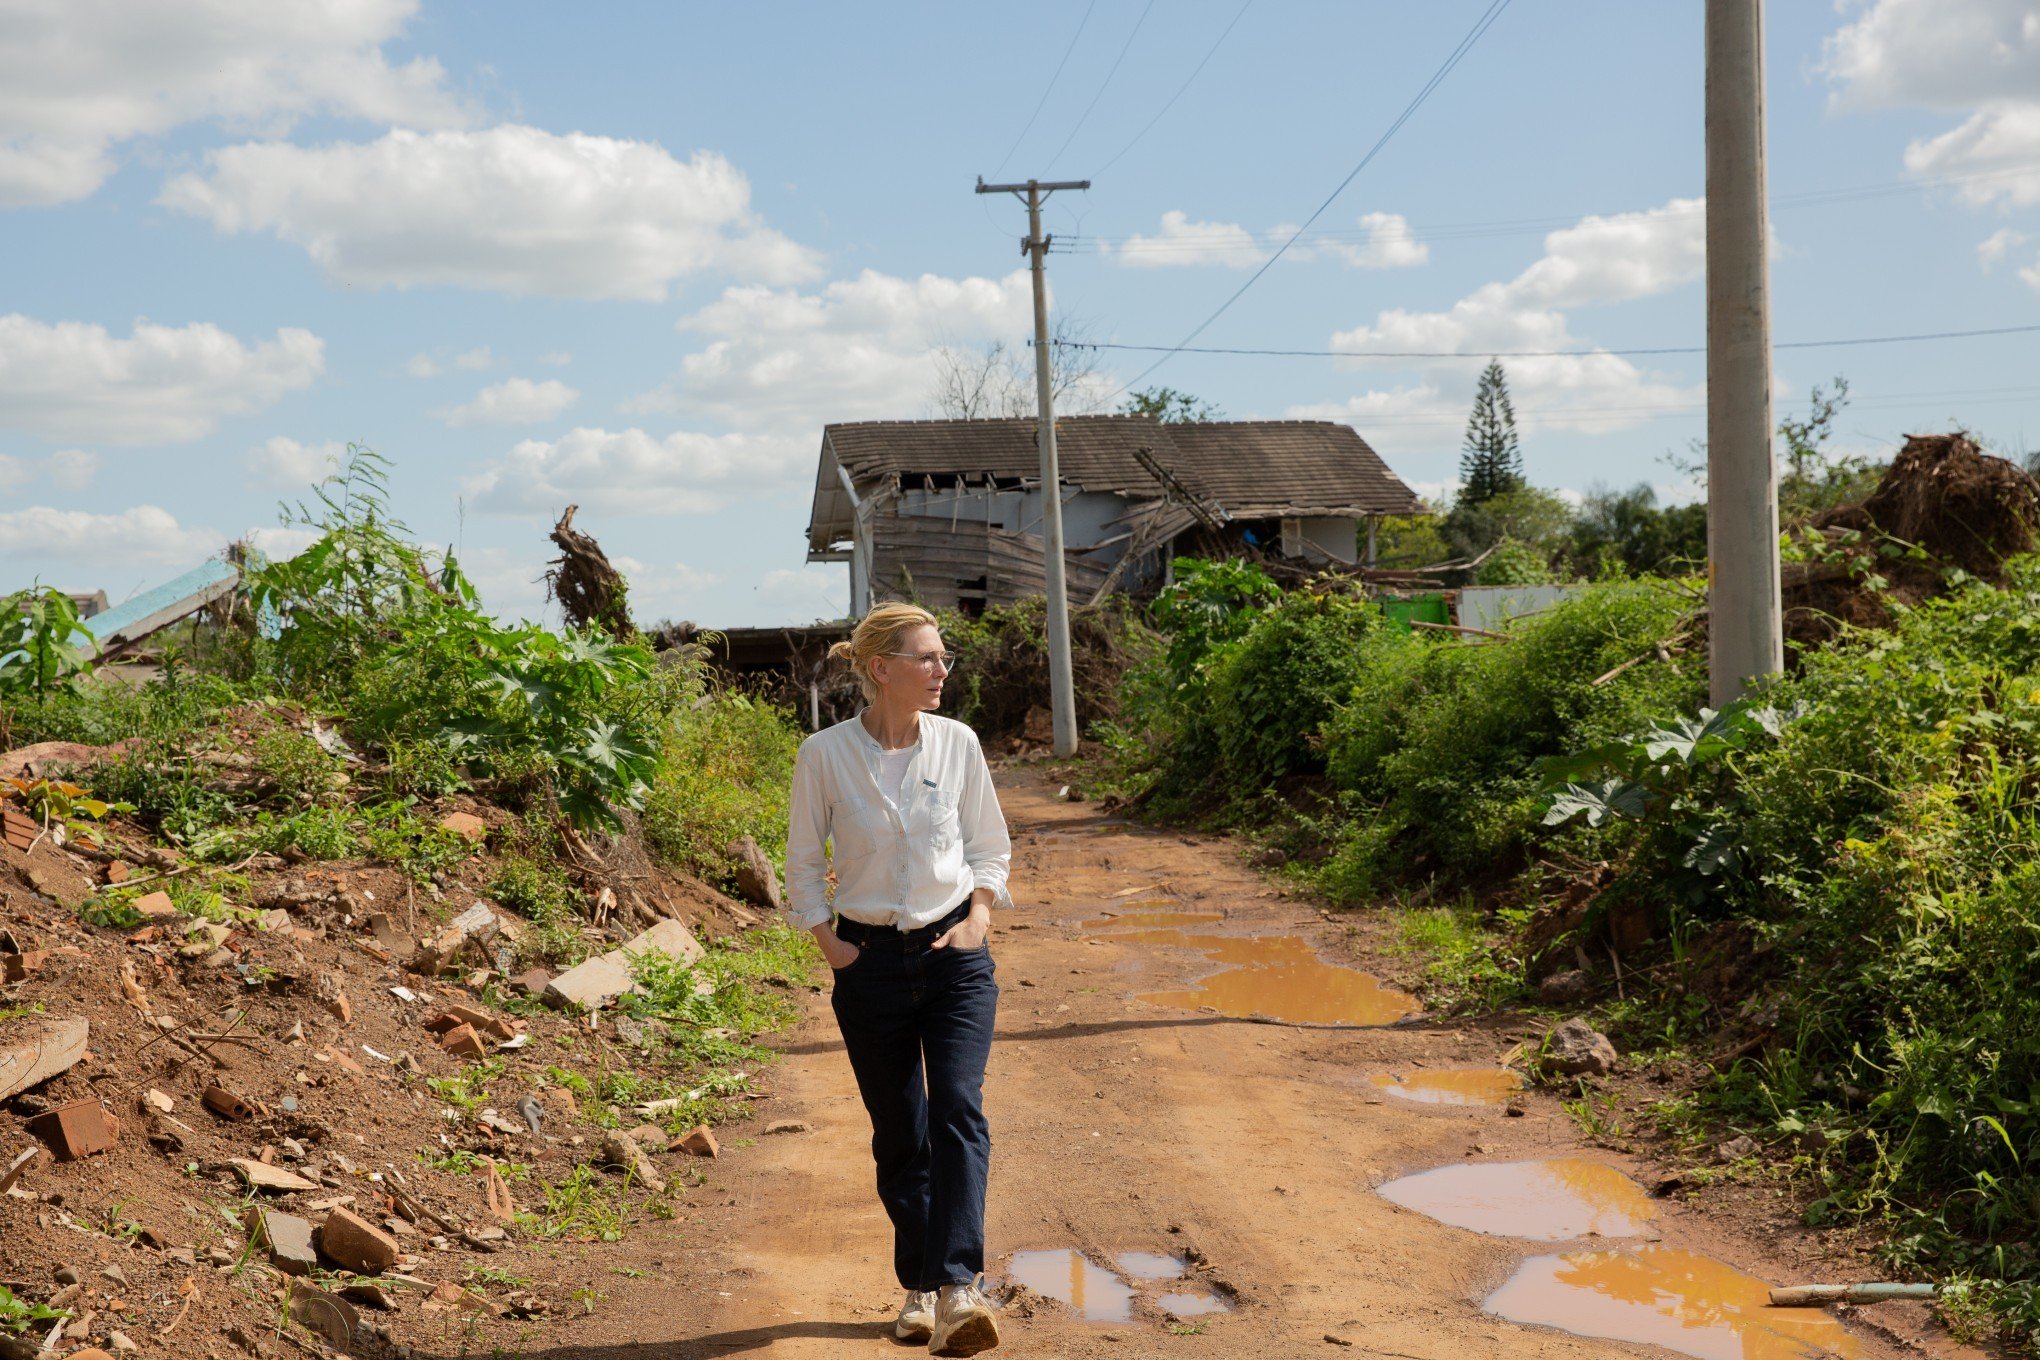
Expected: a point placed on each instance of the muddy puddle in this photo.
(1279, 977)
(1547, 1201)
(1096, 1294)
(1162, 912)
(1662, 1296)
(1451, 1085)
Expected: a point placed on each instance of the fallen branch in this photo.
(1813, 1295)
(1455, 628)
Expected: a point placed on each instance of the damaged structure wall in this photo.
(948, 512)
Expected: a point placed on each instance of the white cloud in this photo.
(511, 209)
(775, 366)
(66, 469)
(1940, 54)
(1997, 150)
(629, 472)
(1999, 244)
(1975, 57)
(2030, 274)
(558, 358)
(1184, 242)
(163, 384)
(859, 349)
(422, 366)
(144, 535)
(280, 542)
(78, 78)
(670, 592)
(1597, 261)
(474, 360)
(73, 469)
(281, 463)
(520, 401)
(1388, 244)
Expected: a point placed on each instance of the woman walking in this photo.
(920, 851)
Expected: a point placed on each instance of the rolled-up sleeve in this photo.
(807, 865)
(987, 849)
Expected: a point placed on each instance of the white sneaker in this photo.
(917, 1316)
(963, 1322)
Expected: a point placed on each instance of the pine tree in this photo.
(1492, 462)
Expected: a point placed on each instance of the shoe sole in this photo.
(908, 1331)
(971, 1335)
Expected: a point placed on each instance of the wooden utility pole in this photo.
(1061, 681)
(1745, 640)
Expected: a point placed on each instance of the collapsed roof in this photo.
(1254, 469)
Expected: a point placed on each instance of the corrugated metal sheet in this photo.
(1492, 607)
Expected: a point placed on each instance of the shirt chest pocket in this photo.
(944, 824)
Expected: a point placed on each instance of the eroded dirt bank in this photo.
(1123, 1125)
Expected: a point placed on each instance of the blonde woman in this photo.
(920, 851)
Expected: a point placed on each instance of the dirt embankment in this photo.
(340, 1039)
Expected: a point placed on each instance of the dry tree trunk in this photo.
(590, 590)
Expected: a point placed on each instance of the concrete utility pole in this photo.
(1061, 682)
(1745, 641)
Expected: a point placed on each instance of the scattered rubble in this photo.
(596, 982)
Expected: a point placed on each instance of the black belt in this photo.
(861, 933)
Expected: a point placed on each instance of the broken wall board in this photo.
(153, 610)
(600, 980)
(38, 1051)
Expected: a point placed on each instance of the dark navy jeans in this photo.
(917, 1024)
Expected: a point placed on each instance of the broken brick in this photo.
(341, 1007)
(463, 1042)
(117, 871)
(531, 982)
(15, 967)
(226, 1104)
(155, 906)
(77, 1130)
(465, 825)
(700, 1142)
(484, 1023)
(353, 1243)
(18, 827)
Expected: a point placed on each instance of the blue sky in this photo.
(635, 255)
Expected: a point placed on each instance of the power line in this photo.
(1124, 48)
(1535, 226)
(1484, 355)
(1048, 89)
(1187, 81)
(1473, 35)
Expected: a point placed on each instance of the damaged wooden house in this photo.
(947, 513)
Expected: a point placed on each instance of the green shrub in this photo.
(727, 771)
(296, 764)
(1436, 750)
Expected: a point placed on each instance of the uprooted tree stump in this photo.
(1943, 495)
(591, 592)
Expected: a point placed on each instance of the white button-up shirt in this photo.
(903, 865)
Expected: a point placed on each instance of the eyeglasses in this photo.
(928, 659)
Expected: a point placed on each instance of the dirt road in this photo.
(1127, 1125)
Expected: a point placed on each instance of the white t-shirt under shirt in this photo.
(892, 771)
(902, 860)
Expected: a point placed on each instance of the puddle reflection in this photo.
(1151, 1265)
(1548, 1201)
(1092, 1292)
(1662, 1296)
(1452, 1085)
(1191, 1305)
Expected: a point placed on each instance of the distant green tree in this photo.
(1627, 533)
(1492, 462)
(1169, 406)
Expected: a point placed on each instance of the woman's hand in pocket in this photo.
(839, 952)
(969, 933)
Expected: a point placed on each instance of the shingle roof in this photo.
(1254, 468)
